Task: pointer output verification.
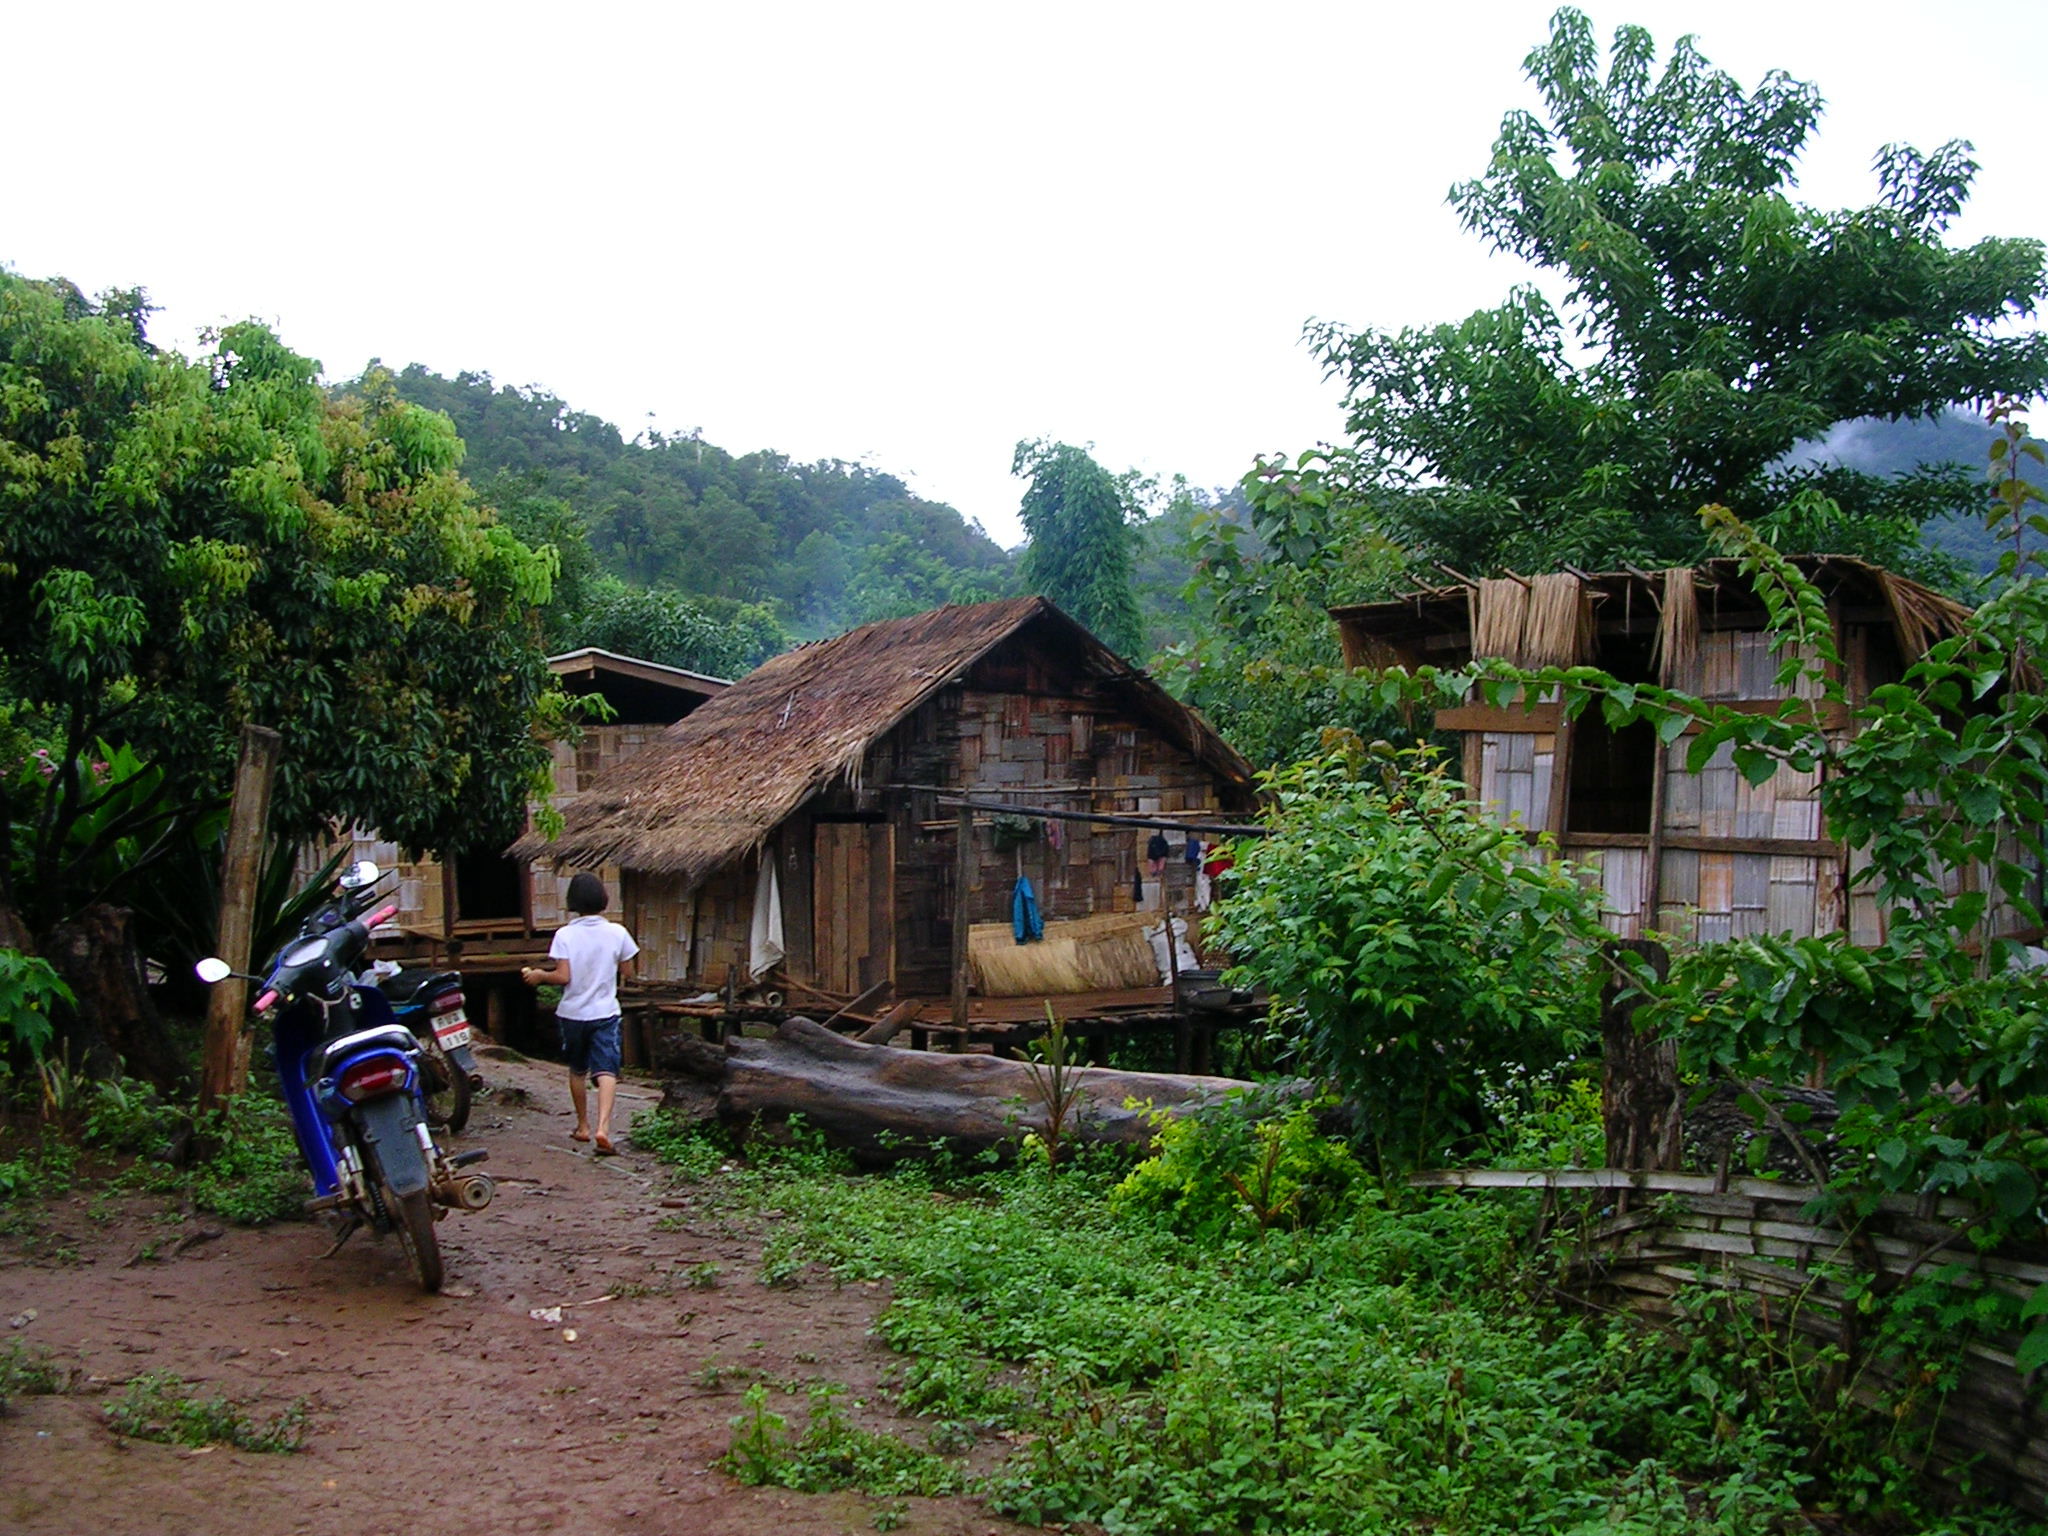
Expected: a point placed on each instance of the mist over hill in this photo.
(1878, 446)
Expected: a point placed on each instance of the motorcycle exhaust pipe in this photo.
(466, 1192)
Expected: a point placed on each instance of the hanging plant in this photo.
(1012, 831)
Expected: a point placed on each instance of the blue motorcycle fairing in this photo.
(298, 1037)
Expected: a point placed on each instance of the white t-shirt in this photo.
(595, 948)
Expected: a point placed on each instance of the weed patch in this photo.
(160, 1406)
(831, 1453)
(1218, 1353)
(29, 1372)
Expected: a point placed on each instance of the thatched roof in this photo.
(721, 780)
(1557, 619)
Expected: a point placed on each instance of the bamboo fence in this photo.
(1667, 1236)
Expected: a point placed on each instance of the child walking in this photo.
(587, 960)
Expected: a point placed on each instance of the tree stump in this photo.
(116, 1026)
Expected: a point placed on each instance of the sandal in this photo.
(605, 1147)
(579, 1135)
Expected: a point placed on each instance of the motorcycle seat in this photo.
(415, 986)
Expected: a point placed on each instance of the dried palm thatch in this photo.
(1922, 615)
(1107, 953)
(720, 780)
(1677, 658)
(1540, 621)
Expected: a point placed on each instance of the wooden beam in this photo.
(224, 1057)
(1537, 720)
(1783, 847)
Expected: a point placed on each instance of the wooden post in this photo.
(224, 1062)
(963, 878)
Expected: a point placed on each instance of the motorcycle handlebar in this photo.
(263, 1003)
(382, 914)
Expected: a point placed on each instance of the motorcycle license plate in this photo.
(452, 1030)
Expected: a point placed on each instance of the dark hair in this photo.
(586, 894)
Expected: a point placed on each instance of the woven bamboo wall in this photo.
(1750, 1238)
(418, 888)
(663, 916)
(1515, 770)
(1703, 894)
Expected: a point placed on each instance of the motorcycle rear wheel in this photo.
(447, 1093)
(413, 1217)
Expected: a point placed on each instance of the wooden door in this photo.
(853, 907)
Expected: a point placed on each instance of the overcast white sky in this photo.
(909, 234)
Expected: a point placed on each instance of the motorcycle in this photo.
(352, 1076)
(431, 1005)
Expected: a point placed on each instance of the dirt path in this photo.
(454, 1413)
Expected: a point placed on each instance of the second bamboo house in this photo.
(1705, 855)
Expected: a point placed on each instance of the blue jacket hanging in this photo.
(1025, 922)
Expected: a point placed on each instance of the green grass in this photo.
(1390, 1368)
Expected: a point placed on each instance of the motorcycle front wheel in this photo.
(446, 1091)
(413, 1216)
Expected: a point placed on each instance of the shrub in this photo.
(29, 990)
(1422, 946)
(1223, 1172)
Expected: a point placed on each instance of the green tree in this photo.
(187, 545)
(715, 636)
(1078, 518)
(1710, 323)
(677, 513)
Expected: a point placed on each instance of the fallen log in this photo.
(882, 1103)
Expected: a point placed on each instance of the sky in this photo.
(902, 234)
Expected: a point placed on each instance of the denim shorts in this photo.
(591, 1046)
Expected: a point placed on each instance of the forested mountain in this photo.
(826, 544)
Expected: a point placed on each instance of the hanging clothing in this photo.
(1156, 851)
(1193, 852)
(764, 933)
(1025, 923)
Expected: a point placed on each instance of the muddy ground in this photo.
(460, 1412)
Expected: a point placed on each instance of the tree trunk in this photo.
(115, 1027)
(1640, 1101)
(883, 1104)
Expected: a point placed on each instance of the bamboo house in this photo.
(484, 911)
(794, 824)
(1706, 854)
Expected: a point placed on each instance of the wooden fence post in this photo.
(963, 878)
(224, 1062)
